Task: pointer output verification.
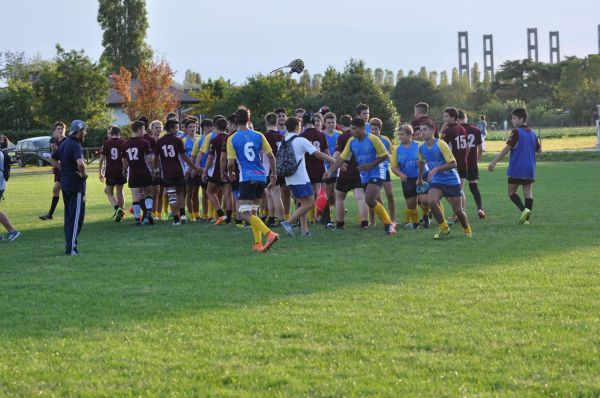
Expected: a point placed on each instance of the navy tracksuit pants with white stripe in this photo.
(74, 214)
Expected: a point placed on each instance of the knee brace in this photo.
(172, 195)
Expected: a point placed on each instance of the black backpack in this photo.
(6, 166)
(286, 159)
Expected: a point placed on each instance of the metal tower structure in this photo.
(463, 53)
(554, 47)
(488, 55)
(532, 44)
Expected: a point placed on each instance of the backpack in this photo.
(286, 159)
(6, 166)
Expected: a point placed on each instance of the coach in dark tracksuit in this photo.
(72, 182)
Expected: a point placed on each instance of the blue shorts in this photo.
(301, 191)
(448, 191)
(251, 190)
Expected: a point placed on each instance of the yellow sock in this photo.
(406, 215)
(444, 225)
(442, 210)
(425, 210)
(258, 228)
(286, 216)
(165, 207)
(413, 215)
(382, 214)
(467, 229)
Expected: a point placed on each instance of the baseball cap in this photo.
(76, 125)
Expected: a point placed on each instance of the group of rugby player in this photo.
(236, 168)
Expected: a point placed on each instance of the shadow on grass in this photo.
(127, 274)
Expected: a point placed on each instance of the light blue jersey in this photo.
(246, 146)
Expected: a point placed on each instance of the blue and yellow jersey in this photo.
(188, 144)
(246, 146)
(406, 158)
(438, 155)
(365, 151)
(332, 140)
(388, 147)
(199, 145)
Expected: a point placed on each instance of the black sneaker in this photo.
(150, 219)
(46, 217)
(426, 222)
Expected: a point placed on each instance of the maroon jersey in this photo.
(112, 149)
(135, 150)
(169, 148)
(237, 169)
(423, 119)
(456, 137)
(352, 172)
(473, 140)
(315, 167)
(151, 141)
(218, 147)
(54, 145)
(274, 139)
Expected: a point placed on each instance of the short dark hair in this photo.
(358, 122)
(206, 123)
(231, 118)
(190, 121)
(299, 110)
(422, 107)
(221, 124)
(428, 123)
(361, 107)
(242, 115)
(452, 112)
(114, 130)
(292, 123)
(482, 117)
(330, 115)
(346, 120)
(217, 117)
(270, 119)
(172, 114)
(144, 119)
(461, 114)
(59, 124)
(521, 113)
(135, 126)
(171, 124)
(279, 110)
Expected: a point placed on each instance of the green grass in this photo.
(546, 132)
(190, 311)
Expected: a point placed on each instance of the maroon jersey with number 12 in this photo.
(112, 149)
(169, 147)
(474, 140)
(135, 150)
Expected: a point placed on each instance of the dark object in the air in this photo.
(296, 66)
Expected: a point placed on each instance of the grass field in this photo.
(190, 311)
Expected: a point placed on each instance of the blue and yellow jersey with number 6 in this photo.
(365, 151)
(438, 155)
(247, 146)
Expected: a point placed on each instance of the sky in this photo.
(237, 39)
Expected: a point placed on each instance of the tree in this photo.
(457, 93)
(423, 73)
(579, 86)
(443, 79)
(379, 77)
(72, 87)
(16, 66)
(487, 80)
(262, 94)
(151, 94)
(400, 74)
(409, 91)
(305, 80)
(17, 105)
(124, 23)
(475, 76)
(527, 80)
(389, 78)
(412, 73)
(317, 82)
(210, 94)
(356, 86)
(433, 77)
(191, 80)
(330, 78)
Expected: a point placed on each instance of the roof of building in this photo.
(115, 99)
